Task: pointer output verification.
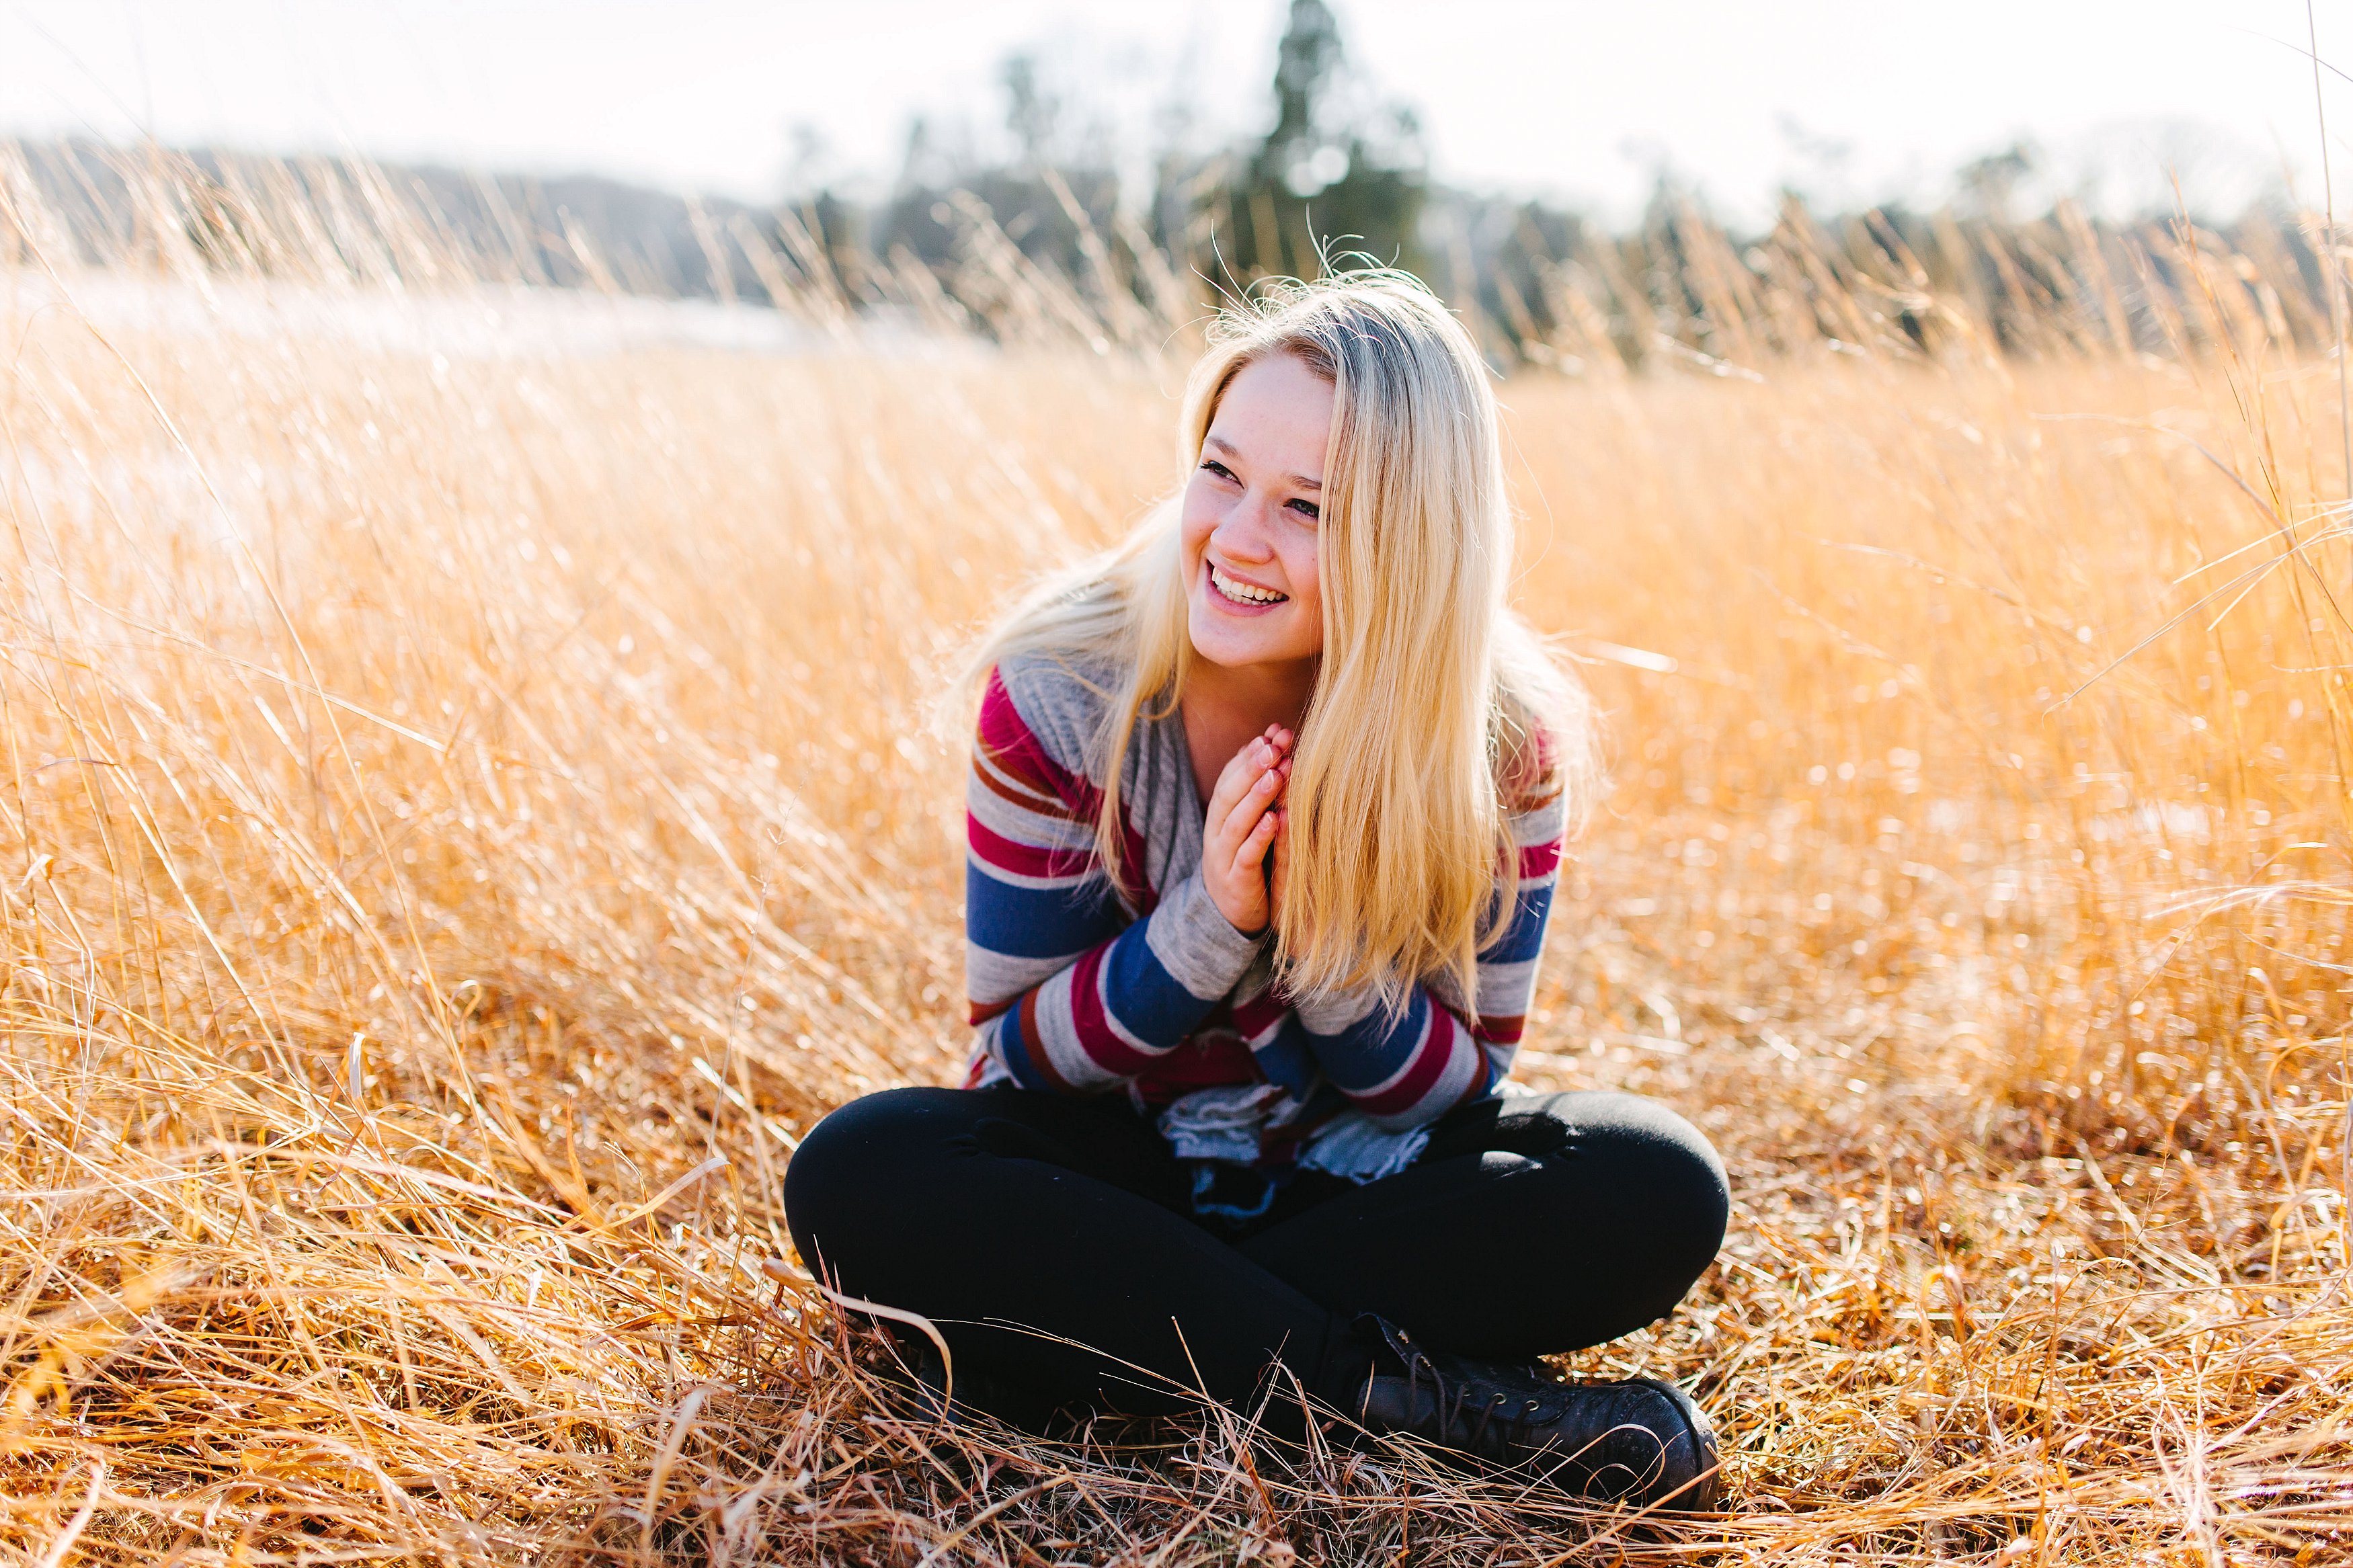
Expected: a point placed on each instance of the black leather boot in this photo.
(914, 1380)
(1639, 1442)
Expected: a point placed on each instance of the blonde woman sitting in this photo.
(1265, 813)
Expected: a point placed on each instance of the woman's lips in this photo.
(1236, 593)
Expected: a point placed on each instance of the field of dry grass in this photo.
(470, 800)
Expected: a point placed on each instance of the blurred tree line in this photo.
(1049, 241)
(1340, 179)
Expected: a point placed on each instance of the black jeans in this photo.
(1053, 1241)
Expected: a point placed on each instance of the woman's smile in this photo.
(1239, 595)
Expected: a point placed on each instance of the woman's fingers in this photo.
(1242, 789)
(1253, 852)
(1241, 770)
(1250, 810)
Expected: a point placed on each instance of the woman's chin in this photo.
(1233, 653)
(1236, 639)
(1218, 640)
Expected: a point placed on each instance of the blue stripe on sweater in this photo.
(1013, 1051)
(1147, 1001)
(1524, 938)
(1370, 1050)
(1288, 1060)
(1038, 922)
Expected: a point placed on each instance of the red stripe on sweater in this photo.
(1210, 1058)
(1260, 1013)
(1012, 746)
(1092, 1022)
(1024, 859)
(1034, 1043)
(1036, 801)
(1437, 1049)
(1500, 1031)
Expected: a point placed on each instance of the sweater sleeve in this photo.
(1410, 1067)
(1070, 991)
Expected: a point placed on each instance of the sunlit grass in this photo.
(471, 801)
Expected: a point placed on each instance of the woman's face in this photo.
(1250, 518)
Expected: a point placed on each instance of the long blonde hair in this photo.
(1435, 710)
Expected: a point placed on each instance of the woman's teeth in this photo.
(1243, 593)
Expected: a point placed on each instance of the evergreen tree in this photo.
(1332, 175)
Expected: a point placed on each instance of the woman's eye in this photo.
(1308, 510)
(1215, 467)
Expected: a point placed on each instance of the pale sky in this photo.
(1575, 98)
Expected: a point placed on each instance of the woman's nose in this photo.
(1242, 534)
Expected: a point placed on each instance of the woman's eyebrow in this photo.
(1230, 450)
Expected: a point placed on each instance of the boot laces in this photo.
(1450, 1396)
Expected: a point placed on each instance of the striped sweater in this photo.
(1078, 986)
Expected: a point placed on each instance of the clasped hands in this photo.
(1244, 847)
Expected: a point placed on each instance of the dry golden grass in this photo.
(469, 807)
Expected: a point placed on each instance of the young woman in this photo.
(1265, 815)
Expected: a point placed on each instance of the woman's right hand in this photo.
(1240, 825)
